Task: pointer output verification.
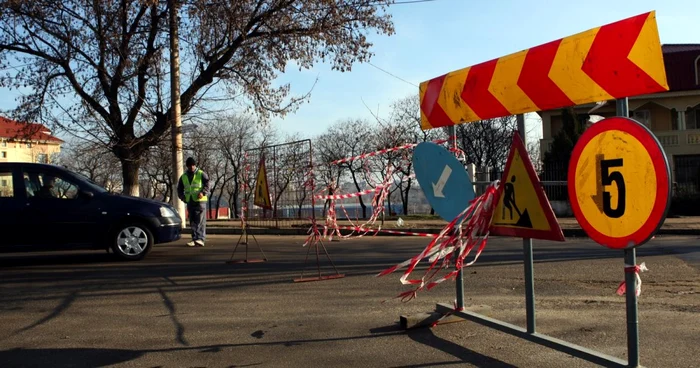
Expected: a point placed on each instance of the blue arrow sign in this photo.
(443, 179)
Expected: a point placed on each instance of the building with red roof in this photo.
(27, 142)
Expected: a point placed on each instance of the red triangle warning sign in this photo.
(262, 190)
(523, 209)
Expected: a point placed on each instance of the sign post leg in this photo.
(527, 255)
(632, 315)
(529, 285)
(452, 132)
(622, 107)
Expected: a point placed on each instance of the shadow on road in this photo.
(60, 358)
(65, 304)
(427, 337)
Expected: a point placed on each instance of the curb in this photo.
(568, 233)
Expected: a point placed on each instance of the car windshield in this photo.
(94, 186)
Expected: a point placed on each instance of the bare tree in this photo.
(327, 175)
(486, 143)
(94, 162)
(406, 115)
(533, 150)
(291, 161)
(351, 138)
(157, 172)
(109, 59)
(390, 134)
(232, 135)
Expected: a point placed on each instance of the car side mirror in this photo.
(87, 194)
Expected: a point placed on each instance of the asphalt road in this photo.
(185, 307)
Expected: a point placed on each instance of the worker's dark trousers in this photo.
(198, 219)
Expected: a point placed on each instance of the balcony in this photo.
(679, 138)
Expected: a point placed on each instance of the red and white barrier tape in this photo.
(456, 240)
(622, 288)
(378, 209)
(397, 232)
(350, 195)
(383, 151)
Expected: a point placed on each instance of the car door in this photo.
(11, 206)
(55, 206)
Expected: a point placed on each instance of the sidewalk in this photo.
(570, 227)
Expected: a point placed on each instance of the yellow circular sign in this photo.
(615, 183)
(619, 183)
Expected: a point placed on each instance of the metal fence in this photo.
(289, 171)
(552, 176)
(686, 175)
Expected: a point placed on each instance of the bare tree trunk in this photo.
(218, 200)
(359, 198)
(388, 203)
(130, 175)
(234, 200)
(404, 197)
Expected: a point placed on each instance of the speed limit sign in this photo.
(619, 183)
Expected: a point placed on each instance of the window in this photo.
(3, 154)
(643, 116)
(687, 173)
(29, 145)
(697, 70)
(674, 119)
(42, 158)
(3, 144)
(692, 118)
(6, 188)
(47, 185)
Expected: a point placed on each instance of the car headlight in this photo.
(167, 212)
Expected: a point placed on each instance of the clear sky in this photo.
(436, 37)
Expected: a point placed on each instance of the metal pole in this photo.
(176, 122)
(274, 185)
(622, 106)
(460, 274)
(632, 315)
(527, 255)
(312, 183)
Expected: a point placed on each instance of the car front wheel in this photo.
(132, 242)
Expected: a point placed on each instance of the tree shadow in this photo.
(180, 329)
(62, 307)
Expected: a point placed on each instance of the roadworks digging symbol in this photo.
(523, 209)
(262, 190)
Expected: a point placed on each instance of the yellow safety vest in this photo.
(192, 189)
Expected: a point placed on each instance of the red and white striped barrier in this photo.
(452, 245)
(396, 232)
(383, 151)
(350, 195)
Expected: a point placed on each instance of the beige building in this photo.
(20, 142)
(673, 116)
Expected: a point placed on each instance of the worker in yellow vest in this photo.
(193, 189)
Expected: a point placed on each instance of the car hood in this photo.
(135, 204)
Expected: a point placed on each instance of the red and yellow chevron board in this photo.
(621, 59)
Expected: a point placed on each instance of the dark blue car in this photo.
(46, 207)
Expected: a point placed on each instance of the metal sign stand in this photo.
(245, 242)
(530, 333)
(622, 108)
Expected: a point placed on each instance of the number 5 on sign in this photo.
(609, 178)
(619, 183)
